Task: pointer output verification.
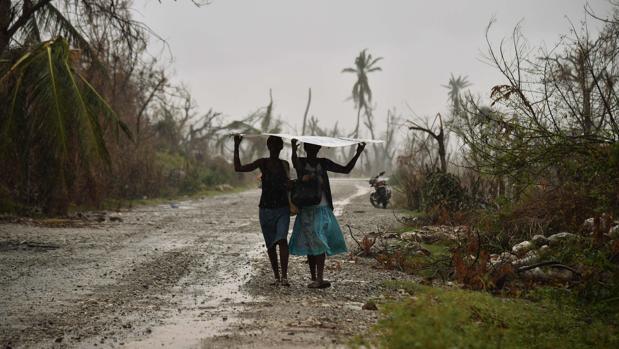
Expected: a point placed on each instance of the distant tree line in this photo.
(89, 119)
(544, 145)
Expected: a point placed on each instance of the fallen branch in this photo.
(551, 264)
(353, 236)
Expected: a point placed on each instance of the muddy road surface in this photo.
(191, 274)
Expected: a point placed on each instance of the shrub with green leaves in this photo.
(432, 317)
(442, 190)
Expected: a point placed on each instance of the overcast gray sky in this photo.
(231, 52)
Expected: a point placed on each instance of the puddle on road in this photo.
(340, 204)
(27, 246)
(199, 321)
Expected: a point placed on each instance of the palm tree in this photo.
(361, 92)
(26, 21)
(52, 120)
(455, 87)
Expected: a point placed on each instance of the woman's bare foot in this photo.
(325, 284)
(285, 282)
(313, 284)
(319, 284)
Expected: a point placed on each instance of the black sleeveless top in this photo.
(325, 165)
(274, 189)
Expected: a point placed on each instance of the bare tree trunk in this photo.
(370, 125)
(309, 101)
(442, 154)
(148, 100)
(439, 138)
(356, 132)
(5, 21)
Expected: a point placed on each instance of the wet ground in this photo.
(187, 275)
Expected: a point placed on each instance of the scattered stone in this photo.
(535, 274)
(58, 340)
(115, 219)
(589, 225)
(369, 305)
(555, 274)
(613, 233)
(530, 258)
(411, 235)
(507, 257)
(539, 240)
(225, 187)
(561, 274)
(544, 250)
(523, 247)
(559, 238)
(391, 236)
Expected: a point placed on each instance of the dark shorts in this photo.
(274, 223)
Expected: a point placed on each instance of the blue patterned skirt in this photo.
(274, 223)
(315, 232)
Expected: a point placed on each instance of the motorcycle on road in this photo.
(381, 194)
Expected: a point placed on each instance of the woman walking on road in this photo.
(274, 212)
(316, 232)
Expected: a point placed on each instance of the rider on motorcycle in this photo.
(382, 193)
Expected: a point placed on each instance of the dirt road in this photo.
(187, 275)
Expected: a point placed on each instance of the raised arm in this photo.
(237, 159)
(333, 167)
(295, 160)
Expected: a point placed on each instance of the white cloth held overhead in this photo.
(323, 141)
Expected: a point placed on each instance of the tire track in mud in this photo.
(212, 323)
(171, 277)
(111, 283)
(299, 317)
(108, 312)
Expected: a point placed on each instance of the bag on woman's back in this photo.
(306, 193)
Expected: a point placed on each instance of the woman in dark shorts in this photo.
(274, 212)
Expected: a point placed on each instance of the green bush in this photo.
(433, 317)
(442, 190)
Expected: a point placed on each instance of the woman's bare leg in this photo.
(311, 261)
(320, 267)
(283, 257)
(273, 258)
(318, 262)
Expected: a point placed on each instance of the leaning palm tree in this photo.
(52, 121)
(455, 87)
(361, 92)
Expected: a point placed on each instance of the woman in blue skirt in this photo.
(316, 232)
(274, 212)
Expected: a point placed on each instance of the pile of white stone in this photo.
(529, 257)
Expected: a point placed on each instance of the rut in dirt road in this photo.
(107, 282)
(161, 276)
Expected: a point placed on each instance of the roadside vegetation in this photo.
(88, 116)
(448, 317)
(510, 207)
